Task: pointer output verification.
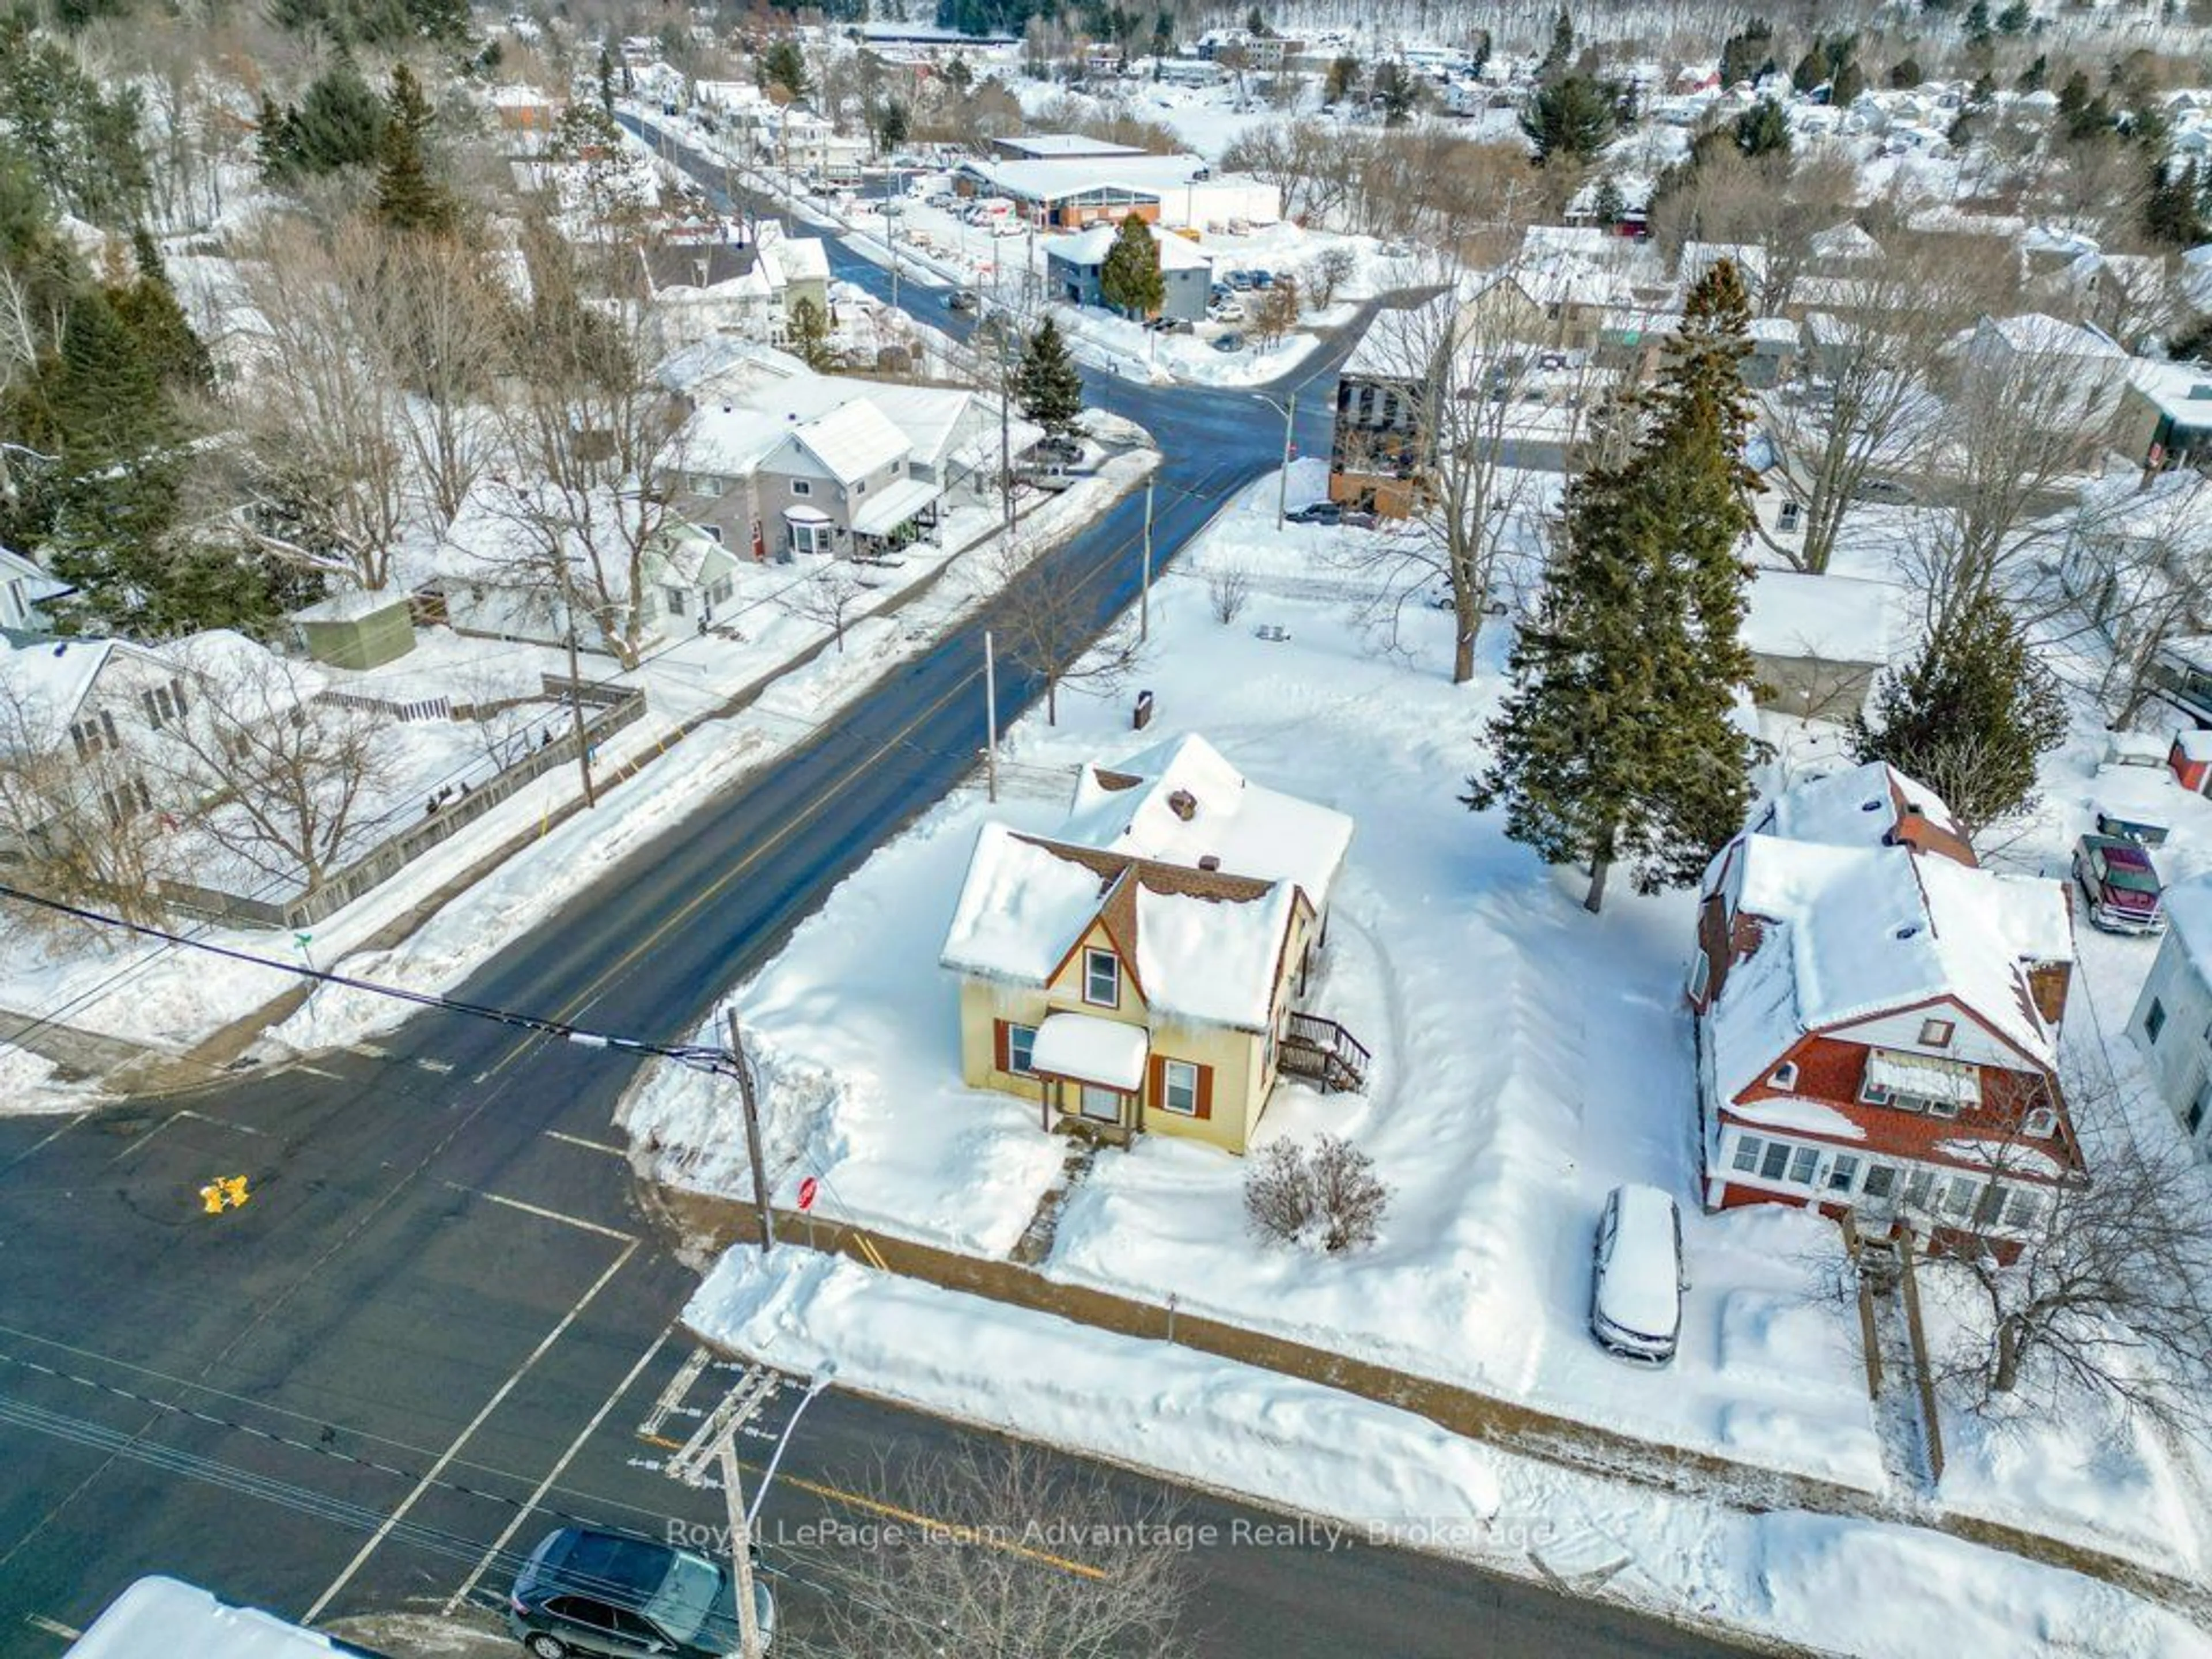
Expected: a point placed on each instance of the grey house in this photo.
(1073, 266)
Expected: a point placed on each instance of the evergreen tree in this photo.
(1905, 74)
(1971, 716)
(1130, 279)
(1762, 129)
(1394, 92)
(810, 337)
(783, 64)
(2173, 208)
(1570, 119)
(407, 198)
(607, 80)
(1812, 68)
(148, 308)
(1850, 81)
(1977, 24)
(1561, 52)
(2015, 19)
(1047, 389)
(339, 124)
(1617, 743)
(1606, 205)
(2033, 77)
(1342, 80)
(896, 122)
(1748, 53)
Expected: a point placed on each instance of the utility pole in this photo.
(744, 1068)
(575, 673)
(716, 1440)
(1145, 592)
(1283, 478)
(991, 716)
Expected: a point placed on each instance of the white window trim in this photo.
(1091, 957)
(1784, 1076)
(1168, 1070)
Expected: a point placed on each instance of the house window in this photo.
(673, 596)
(1787, 522)
(721, 591)
(1957, 1196)
(1775, 1164)
(1786, 1075)
(1873, 1093)
(1936, 1033)
(162, 704)
(2041, 1124)
(1746, 1153)
(1179, 1088)
(1021, 1048)
(1101, 979)
(1918, 1184)
(800, 487)
(2155, 1021)
(1803, 1164)
(1880, 1182)
(1701, 975)
(2024, 1207)
(1843, 1173)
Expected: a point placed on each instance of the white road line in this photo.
(52, 1627)
(553, 1474)
(543, 1214)
(220, 1123)
(462, 1439)
(611, 1150)
(441, 1067)
(316, 1071)
(368, 1050)
(142, 1140)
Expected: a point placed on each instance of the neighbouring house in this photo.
(2173, 1021)
(23, 589)
(1878, 1017)
(1067, 192)
(838, 483)
(496, 578)
(2073, 377)
(1817, 642)
(2165, 417)
(1142, 968)
(1075, 266)
(1058, 147)
(1383, 439)
(2136, 557)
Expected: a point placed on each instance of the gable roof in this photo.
(852, 441)
(1180, 802)
(50, 679)
(1872, 804)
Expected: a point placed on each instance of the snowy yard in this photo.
(1527, 1057)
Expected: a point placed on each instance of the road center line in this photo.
(52, 1627)
(462, 1439)
(592, 1145)
(554, 1473)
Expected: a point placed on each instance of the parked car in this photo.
(1225, 311)
(1220, 291)
(1317, 513)
(1262, 278)
(1637, 1279)
(963, 299)
(1883, 492)
(2120, 884)
(1241, 281)
(1229, 342)
(587, 1591)
(1059, 449)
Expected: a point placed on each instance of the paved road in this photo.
(440, 1315)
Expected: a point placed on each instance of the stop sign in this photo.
(807, 1188)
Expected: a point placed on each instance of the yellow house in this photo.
(1141, 969)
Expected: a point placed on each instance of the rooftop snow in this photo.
(1090, 1049)
(1832, 618)
(1854, 808)
(1090, 247)
(1021, 908)
(161, 1618)
(853, 441)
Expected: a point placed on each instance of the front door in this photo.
(1101, 1105)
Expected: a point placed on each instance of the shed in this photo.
(1816, 642)
(2191, 757)
(355, 629)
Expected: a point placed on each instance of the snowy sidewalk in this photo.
(1562, 1442)
(1379, 1470)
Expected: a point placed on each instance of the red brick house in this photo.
(1878, 1018)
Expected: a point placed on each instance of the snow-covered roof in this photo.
(49, 679)
(2182, 391)
(1859, 807)
(1090, 247)
(2188, 905)
(1844, 243)
(884, 510)
(852, 441)
(1180, 802)
(1789, 613)
(161, 1618)
(1052, 177)
(801, 258)
(1205, 941)
(2036, 333)
(1110, 1052)
(38, 583)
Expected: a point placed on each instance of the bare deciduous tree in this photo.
(449, 329)
(1228, 589)
(326, 473)
(975, 1582)
(1328, 271)
(2112, 1292)
(1049, 626)
(2139, 568)
(829, 596)
(274, 772)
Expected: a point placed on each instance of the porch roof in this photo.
(1088, 1050)
(887, 509)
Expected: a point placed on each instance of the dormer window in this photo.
(1936, 1033)
(1784, 1076)
(2040, 1124)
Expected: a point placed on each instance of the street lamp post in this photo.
(1290, 414)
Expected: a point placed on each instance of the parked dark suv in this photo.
(584, 1591)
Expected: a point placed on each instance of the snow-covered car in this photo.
(1637, 1279)
(1225, 311)
(1317, 513)
(1229, 342)
(2121, 884)
(963, 299)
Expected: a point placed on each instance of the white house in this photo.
(1817, 642)
(2173, 1021)
(23, 589)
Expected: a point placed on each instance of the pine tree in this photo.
(407, 198)
(1617, 744)
(809, 336)
(1047, 389)
(1971, 716)
(1762, 129)
(1342, 80)
(148, 308)
(1130, 279)
(1850, 81)
(607, 80)
(2035, 75)
(1607, 206)
(1747, 54)
(1571, 119)
(1561, 52)
(339, 124)
(2173, 211)
(784, 65)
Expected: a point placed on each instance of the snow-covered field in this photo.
(1528, 1057)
